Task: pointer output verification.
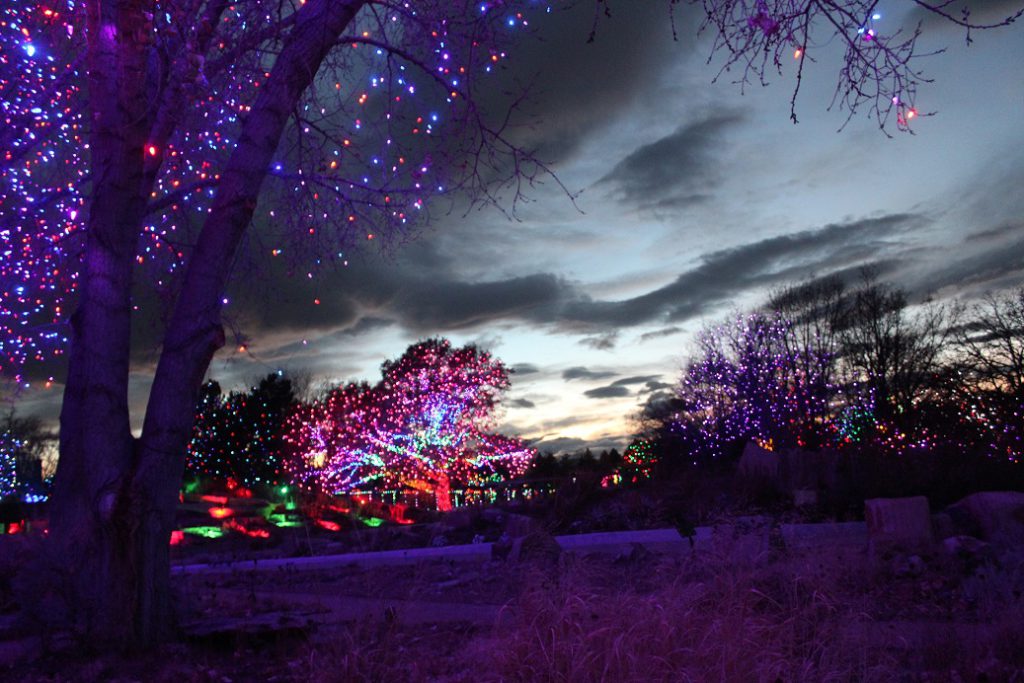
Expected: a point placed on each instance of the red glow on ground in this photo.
(219, 500)
(251, 533)
(221, 512)
(328, 524)
(177, 537)
(14, 528)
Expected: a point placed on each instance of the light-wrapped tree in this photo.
(426, 425)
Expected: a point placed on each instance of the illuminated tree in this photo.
(139, 139)
(237, 438)
(426, 425)
(750, 380)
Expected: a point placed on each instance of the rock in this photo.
(900, 522)
(997, 516)
(535, 546)
(964, 546)
(758, 463)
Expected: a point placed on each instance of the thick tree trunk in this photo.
(115, 497)
(88, 528)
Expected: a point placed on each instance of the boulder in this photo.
(996, 516)
(900, 522)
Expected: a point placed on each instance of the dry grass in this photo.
(704, 623)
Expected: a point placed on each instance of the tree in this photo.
(141, 136)
(990, 374)
(895, 356)
(21, 444)
(751, 380)
(425, 425)
(237, 438)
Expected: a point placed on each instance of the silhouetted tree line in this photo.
(826, 364)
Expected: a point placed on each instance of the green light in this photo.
(372, 521)
(204, 531)
(282, 521)
(284, 490)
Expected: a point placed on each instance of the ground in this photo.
(736, 612)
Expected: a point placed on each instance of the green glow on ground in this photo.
(204, 531)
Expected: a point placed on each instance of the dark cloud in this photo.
(996, 267)
(664, 332)
(636, 379)
(601, 342)
(525, 369)
(653, 387)
(522, 403)
(580, 372)
(575, 86)
(676, 171)
(727, 273)
(610, 391)
(559, 445)
(981, 12)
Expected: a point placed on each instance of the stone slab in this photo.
(898, 521)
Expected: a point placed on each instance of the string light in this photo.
(425, 426)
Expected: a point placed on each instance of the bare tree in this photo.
(991, 343)
(894, 355)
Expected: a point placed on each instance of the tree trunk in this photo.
(443, 493)
(115, 498)
(88, 526)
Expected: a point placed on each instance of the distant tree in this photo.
(991, 344)
(237, 438)
(989, 382)
(893, 355)
(750, 380)
(426, 425)
(21, 442)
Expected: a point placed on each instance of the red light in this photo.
(221, 512)
(329, 525)
(152, 150)
(177, 537)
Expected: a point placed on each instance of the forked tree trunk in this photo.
(115, 498)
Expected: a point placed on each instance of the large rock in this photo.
(997, 516)
(899, 522)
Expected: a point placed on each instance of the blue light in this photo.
(29, 49)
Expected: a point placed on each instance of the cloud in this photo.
(610, 391)
(676, 171)
(724, 274)
(664, 332)
(522, 403)
(568, 78)
(580, 372)
(601, 342)
(525, 369)
(636, 379)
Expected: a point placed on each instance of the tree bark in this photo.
(96, 444)
(115, 497)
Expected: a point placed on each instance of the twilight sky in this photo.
(695, 200)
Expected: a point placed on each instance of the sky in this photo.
(692, 199)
